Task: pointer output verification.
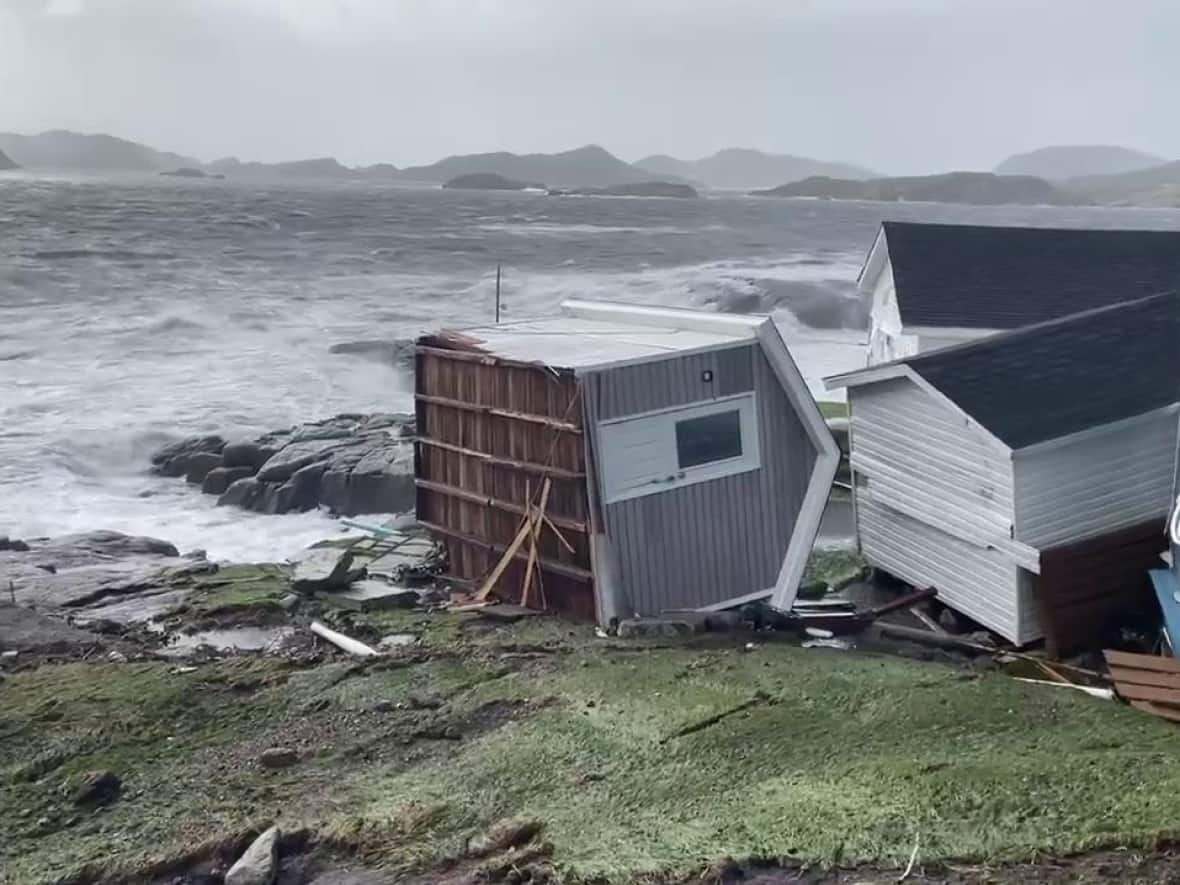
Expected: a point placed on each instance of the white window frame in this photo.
(664, 422)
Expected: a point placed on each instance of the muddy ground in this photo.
(616, 761)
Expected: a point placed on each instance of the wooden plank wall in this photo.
(1085, 585)
(489, 432)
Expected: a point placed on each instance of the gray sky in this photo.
(899, 85)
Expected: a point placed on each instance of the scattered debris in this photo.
(646, 628)
(260, 862)
(1105, 694)
(759, 698)
(345, 643)
(1148, 682)
(398, 640)
(502, 611)
(371, 595)
(324, 568)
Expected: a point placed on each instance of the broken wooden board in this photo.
(1148, 682)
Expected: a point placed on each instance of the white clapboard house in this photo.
(1025, 476)
(934, 285)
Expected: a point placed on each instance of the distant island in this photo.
(744, 169)
(639, 189)
(189, 172)
(1063, 162)
(489, 181)
(976, 188)
(1061, 175)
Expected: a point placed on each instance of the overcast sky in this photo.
(901, 86)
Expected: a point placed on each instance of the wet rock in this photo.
(173, 460)
(77, 570)
(242, 493)
(260, 862)
(324, 568)
(247, 454)
(350, 464)
(13, 544)
(218, 480)
(199, 466)
(22, 629)
(96, 788)
(287, 461)
(289, 602)
(278, 757)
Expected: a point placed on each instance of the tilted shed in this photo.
(1026, 476)
(689, 464)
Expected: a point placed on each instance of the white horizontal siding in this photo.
(925, 460)
(977, 581)
(934, 500)
(1096, 484)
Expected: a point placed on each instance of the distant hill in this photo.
(320, 169)
(744, 168)
(589, 166)
(6, 163)
(488, 181)
(975, 188)
(64, 150)
(1072, 161)
(1155, 186)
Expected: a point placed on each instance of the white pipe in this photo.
(1174, 524)
(347, 643)
(1105, 694)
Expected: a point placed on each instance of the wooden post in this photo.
(497, 293)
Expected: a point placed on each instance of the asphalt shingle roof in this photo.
(981, 277)
(1056, 378)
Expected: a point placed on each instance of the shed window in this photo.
(662, 450)
(709, 438)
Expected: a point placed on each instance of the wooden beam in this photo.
(507, 506)
(490, 581)
(487, 359)
(509, 463)
(535, 536)
(544, 420)
(560, 568)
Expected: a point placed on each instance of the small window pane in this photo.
(715, 437)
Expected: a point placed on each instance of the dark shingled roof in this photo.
(980, 277)
(1056, 378)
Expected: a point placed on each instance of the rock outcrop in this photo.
(634, 189)
(488, 181)
(350, 464)
(260, 862)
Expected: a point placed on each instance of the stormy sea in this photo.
(135, 311)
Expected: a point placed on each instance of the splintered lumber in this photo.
(534, 536)
(913, 634)
(345, 643)
(489, 582)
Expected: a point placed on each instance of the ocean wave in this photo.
(106, 254)
(14, 355)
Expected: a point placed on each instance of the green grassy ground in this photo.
(834, 409)
(843, 757)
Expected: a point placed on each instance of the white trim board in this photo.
(823, 472)
(737, 325)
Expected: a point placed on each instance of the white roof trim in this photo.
(965, 332)
(736, 325)
(875, 261)
(662, 355)
(823, 472)
(890, 371)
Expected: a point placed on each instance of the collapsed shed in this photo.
(685, 462)
(1026, 476)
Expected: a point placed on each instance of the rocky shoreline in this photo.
(347, 465)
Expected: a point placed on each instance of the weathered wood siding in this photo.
(699, 544)
(1097, 484)
(934, 497)
(476, 470)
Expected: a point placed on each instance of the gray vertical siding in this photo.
(1096, 484)
(703, 543)
(934, 498)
